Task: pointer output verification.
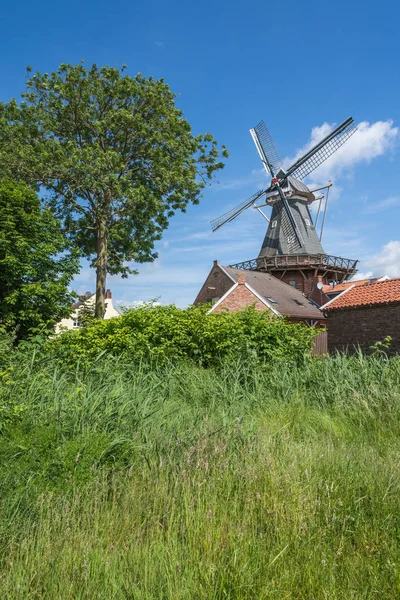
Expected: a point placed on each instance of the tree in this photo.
(116, 156)
(35, 269)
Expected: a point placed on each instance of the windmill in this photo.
(291, 246)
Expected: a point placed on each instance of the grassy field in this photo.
(184, 483)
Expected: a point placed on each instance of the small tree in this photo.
(35, 269)
(116, 155)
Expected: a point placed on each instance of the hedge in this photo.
(163, 333)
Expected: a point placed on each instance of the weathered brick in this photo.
(240, 298)
(350, 328)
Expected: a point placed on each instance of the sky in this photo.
(300, 66)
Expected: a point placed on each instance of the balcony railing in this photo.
(298, 261)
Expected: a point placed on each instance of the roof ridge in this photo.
(268, 275)
(368, 294)
(385, 281)
(289, 300)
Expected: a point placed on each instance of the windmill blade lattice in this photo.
(271, 158)
(292, 237)
(323, 150)
(234, 212)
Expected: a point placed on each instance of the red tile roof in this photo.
(340, 287)
(369, 294)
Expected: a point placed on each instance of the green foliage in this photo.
(381, 346)
(35, 267)
(268, 481)
(115, 154)
(86, 314)
(161, 333)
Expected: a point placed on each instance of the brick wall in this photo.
(305, 283)
(218, 283)
(215, 286)
(352, 327)
(240, 298)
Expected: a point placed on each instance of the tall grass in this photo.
(123, 483)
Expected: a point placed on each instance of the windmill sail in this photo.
(272, 162)
(288, 223)
(234, 212)
(323, 150)
(291, 230)
(266, 148)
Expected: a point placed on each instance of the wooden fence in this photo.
(320, 344)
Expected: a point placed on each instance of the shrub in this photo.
(161, 333)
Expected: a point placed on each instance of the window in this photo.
(271, 300)
(298, 302)
(290, 239)
(273, 224)
(292, 283)
(75, 323)
(307, 222)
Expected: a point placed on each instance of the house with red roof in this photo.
(334, 289)
(362, 315)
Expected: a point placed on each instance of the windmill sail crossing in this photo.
(294, 229)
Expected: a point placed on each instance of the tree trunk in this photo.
(101, 269)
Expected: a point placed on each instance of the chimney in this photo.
(216, 263)
(241, 278)
(108, 295)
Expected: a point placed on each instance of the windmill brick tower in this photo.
(292, 249)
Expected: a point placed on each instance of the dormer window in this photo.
(298, 302)
(307, 222)
(273, 224)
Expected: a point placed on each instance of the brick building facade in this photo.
(234, 289)
(304, 281)
(240, 297)
(351, 328)
(363, 315)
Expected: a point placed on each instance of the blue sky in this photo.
(297, 65)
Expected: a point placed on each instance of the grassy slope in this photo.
(186, 483)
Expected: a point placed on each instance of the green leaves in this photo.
(115, 154)
(35, 267)
(164, 333)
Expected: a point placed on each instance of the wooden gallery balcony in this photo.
(342, 268)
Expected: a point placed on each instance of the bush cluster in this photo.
(161, 333)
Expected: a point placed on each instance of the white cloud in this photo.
(368, 142)
(391, 202)
(362, 275)
(386, 262)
